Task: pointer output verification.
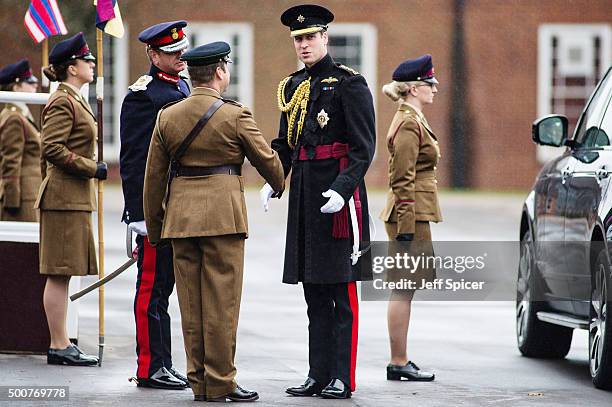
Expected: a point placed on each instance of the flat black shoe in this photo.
(162, 379)
(410, 371)
(309, 388)
(71, 356)
(179, 376)
(199, 397)
(239, 394)
(336, 389)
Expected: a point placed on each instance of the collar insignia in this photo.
(172, 79)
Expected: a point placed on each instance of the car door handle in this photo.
(602, 173)
(565, 173)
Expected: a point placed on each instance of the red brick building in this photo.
(500, 63)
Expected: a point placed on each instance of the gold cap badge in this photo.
(174, 34)
(301, 18)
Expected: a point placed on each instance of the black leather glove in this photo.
(101, 171)
(405, 237)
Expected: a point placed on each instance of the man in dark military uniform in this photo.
(327, 138)
(166, 42)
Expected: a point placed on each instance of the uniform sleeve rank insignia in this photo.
(141, 83)
(322, 118)
(331, 79)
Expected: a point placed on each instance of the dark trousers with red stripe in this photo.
(333, 315)
(154, 285)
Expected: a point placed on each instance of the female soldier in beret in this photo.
(66, 197)
(19, 148)
(412, 200)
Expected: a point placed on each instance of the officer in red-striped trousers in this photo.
(165, 43)
(327, 140)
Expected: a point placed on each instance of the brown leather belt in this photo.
(231, 169)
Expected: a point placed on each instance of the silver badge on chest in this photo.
(322, 118)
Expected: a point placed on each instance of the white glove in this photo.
(139, 227)
(265, 194)
(335, 203)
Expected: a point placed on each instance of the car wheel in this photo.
(535, 338)
(600, 328)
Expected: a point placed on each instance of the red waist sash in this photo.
(338, 151)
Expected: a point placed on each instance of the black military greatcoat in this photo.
(312, 254)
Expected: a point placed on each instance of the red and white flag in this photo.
(43, 19)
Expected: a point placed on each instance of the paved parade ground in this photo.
(469, 345)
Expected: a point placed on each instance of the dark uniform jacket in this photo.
(210, 205)
(312, 255)
(413, 159)
(68, 139)
(138, 113)
(19, 158)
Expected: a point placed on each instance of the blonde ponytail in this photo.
(395, 90)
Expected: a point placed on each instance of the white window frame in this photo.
(369, 47)
(544, 90)
(222, 31)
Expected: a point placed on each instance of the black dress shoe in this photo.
(199, 397)
(336, 389)
(179, 376)
(162, 379)
(410, 371)
(71, 356)
(239, 394)
(309, 388)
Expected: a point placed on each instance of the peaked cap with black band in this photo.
(307, 19)
(207, 54)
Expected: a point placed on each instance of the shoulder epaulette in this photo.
(170, 104)
(288, 78)
(347, 69)
(141, 83)
(232, 102)
(297, 72)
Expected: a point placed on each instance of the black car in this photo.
(564, 279)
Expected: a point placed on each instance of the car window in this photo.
(587, 133)
(606, 124)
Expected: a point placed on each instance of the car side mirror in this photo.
(550, 130)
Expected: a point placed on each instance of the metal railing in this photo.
(24, 97)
